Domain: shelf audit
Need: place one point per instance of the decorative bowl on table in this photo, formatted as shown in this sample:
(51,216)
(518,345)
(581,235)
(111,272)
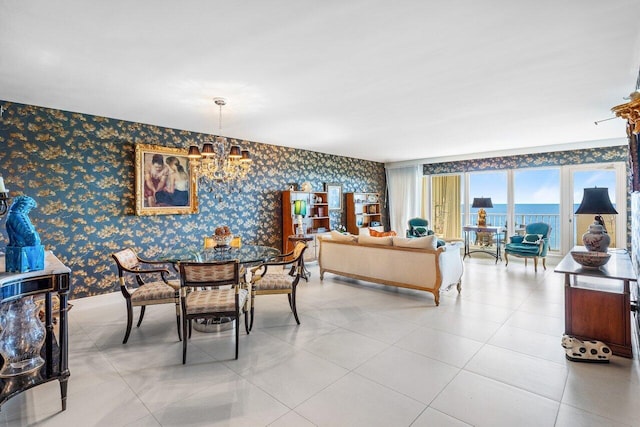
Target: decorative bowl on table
(590,259)
(222,241)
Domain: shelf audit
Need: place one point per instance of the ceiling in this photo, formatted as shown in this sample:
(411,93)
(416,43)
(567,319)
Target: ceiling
(377,80)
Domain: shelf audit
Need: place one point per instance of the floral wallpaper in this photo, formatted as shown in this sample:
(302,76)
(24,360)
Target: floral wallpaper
(559,158)
(80,170)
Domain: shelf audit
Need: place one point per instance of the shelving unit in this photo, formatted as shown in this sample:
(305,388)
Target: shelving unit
(316,220)
(363,210)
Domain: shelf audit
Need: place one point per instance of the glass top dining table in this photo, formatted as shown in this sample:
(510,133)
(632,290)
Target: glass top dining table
(246,254)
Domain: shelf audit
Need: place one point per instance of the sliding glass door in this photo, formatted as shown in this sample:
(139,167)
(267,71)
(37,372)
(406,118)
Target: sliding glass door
(536,196)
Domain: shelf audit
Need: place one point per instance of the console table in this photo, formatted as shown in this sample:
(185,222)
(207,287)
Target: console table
(54,279)
(597,302)
(497,231)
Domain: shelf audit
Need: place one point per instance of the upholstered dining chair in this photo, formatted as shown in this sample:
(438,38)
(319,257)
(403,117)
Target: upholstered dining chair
(140,286)
(202,297)
(534,244)
(279,276)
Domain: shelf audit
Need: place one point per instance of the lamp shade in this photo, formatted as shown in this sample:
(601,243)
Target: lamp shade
(482,202)
(300,207)
(596,201)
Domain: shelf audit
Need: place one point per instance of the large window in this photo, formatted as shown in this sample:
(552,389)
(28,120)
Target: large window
(536,196)
(493,185)
(524,196)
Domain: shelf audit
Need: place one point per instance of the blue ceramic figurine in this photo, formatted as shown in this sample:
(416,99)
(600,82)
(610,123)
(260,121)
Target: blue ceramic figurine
(24,252)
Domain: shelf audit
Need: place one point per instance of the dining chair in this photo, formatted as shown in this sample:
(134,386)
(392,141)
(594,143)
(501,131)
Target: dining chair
(205,295)
(279,276)
(140,286)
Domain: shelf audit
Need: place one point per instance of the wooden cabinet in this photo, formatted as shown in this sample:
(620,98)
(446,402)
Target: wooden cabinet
(43,285)
(315,219)
(598,301)
(363,210)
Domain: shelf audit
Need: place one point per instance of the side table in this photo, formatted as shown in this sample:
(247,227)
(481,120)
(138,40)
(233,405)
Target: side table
(497,231)
(302,238)
(600,308)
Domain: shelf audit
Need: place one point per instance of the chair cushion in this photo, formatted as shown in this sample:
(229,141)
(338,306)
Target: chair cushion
(153,291)
(522,249)
(532,239)
(175,284)
(214,300)
(274,281)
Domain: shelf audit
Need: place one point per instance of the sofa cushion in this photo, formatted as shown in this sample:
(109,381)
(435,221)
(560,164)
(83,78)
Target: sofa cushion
(532,239)
(369,240)
(336,235)
(374,233)
(425,242)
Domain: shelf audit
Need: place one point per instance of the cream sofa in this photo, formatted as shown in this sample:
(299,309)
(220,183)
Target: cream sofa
(425,269)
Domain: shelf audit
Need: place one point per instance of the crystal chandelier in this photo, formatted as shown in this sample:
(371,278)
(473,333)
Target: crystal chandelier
(220,164)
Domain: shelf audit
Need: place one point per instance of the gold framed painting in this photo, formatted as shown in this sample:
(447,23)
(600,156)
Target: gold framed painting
(164,181)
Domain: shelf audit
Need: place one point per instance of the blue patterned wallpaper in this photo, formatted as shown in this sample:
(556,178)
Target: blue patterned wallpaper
(574,157)
(80,170)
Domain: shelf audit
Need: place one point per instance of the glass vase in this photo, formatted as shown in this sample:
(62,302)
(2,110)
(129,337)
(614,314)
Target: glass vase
(21,337)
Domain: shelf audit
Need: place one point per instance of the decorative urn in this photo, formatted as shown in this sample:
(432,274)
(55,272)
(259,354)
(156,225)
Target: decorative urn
(596,238)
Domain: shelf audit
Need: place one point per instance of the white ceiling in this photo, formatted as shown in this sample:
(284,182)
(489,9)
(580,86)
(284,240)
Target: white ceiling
(380,80)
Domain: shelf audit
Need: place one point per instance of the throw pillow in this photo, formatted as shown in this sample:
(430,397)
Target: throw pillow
(532,239)
(426,242)
(384,241)
(420,231)
(336,235)
(374,233)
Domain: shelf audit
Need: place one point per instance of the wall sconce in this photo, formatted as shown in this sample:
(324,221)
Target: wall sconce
(4,198)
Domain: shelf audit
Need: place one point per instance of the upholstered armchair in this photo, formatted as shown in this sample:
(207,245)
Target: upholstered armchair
(534,244)
(418,227)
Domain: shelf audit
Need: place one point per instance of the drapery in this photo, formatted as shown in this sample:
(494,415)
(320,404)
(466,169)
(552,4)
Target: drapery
(445,205)
(404,186)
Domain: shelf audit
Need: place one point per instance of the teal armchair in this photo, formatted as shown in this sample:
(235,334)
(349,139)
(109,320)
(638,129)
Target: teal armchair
(534,244)
(418,227)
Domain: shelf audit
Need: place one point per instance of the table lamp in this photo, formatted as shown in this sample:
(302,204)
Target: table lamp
(596,201)
(300,209)
(481,203)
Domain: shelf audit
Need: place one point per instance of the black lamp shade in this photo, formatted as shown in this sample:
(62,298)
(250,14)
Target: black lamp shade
(482,202)
(596,201)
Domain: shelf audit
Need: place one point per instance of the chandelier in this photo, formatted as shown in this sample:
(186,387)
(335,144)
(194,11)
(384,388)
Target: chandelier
(221,164)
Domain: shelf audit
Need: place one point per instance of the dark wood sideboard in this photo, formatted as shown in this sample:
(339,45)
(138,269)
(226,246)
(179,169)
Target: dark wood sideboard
(43,284)
(598,301)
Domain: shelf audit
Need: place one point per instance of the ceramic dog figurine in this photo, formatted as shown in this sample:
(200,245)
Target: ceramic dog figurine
(585,351)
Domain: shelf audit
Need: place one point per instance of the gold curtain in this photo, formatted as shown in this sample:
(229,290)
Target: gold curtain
(445,206)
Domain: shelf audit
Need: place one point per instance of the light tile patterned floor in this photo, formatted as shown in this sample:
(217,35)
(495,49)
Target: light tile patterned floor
(365,355)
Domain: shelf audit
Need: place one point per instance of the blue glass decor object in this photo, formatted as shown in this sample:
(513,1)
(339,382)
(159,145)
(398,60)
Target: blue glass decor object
(24,252)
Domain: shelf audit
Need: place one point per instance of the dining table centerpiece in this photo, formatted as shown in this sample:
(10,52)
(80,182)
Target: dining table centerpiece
(222,236)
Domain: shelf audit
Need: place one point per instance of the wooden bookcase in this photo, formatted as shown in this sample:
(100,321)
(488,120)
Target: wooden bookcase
(315,222)
(363,209)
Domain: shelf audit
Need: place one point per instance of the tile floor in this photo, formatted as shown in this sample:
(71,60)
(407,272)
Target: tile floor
(365,355)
